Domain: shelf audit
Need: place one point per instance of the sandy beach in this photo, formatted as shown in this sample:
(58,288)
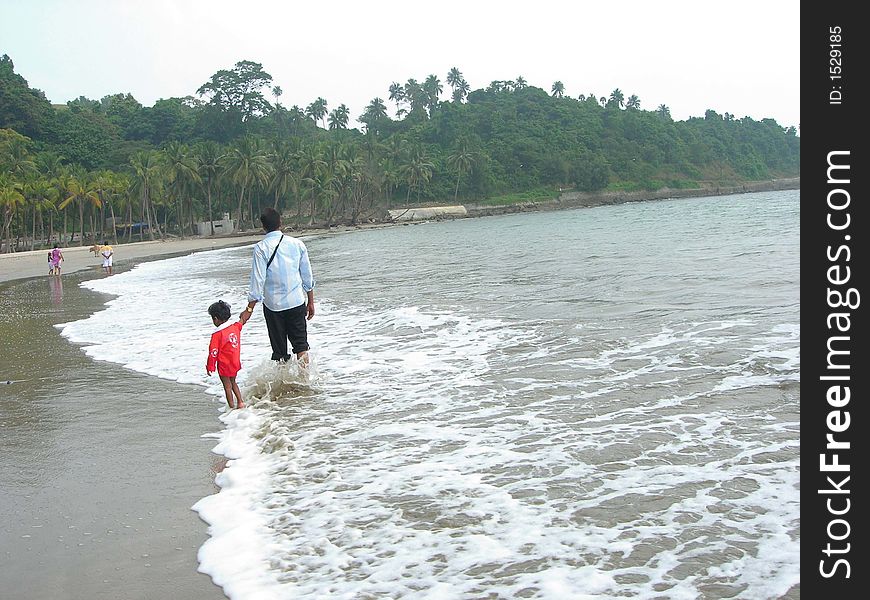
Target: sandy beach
(100,465)
(24,265)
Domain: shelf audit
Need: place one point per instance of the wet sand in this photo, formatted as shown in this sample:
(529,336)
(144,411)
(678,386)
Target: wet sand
(99,465)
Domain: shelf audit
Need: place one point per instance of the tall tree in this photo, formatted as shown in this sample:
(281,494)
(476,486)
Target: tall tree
(80,190)
(461,91)
(247,164)
(283,170)
(415,96)
(374,116)
(240,89)
(454,76)
(397,95)
(182,177)
(431,91)
(146,180)
(417,170)
(208,158)
(312,165)
(317,111)
(338,118)
(11,200)
(558,89)
(462,160)
(617,99)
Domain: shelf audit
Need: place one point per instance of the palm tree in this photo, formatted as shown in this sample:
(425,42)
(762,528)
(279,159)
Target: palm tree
(40,194)
(283,162)
(208,159)
(616,99)
(182,176)
(247,164)
(375,113)
(453,78)
(317,111)
(415,95)
(461,91)
(336,179)
(80,190)
(417,170)
(146,179)
(462,160)
(432,89)
(338,117)
(633,103)
(297,115)
(397,95)
(114,186)
(663,111)
(11,199)
(312,166)
(521,83)
(558,89)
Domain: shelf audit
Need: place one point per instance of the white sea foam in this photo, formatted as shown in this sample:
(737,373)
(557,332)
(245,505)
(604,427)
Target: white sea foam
(434,453)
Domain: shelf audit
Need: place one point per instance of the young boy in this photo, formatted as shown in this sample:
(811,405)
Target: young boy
(223,352)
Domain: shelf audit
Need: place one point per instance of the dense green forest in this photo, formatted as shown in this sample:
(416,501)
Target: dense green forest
(233,147)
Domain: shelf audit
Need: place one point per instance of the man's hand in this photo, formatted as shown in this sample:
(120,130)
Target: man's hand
(310,310)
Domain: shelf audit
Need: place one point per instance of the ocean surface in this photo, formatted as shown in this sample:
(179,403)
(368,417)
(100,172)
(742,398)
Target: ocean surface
(594,403)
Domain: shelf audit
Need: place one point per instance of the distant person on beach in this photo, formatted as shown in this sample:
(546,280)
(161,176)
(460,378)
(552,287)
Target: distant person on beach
(55,257)
(224,352)
(107,253)
(281,279)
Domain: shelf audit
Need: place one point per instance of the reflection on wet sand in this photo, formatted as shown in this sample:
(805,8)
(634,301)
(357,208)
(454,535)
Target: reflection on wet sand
(55,285)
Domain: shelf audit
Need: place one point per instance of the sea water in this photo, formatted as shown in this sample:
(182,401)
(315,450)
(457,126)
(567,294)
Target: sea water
(594,403)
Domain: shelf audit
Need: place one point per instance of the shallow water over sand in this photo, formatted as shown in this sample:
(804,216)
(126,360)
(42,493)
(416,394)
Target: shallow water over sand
(598,402)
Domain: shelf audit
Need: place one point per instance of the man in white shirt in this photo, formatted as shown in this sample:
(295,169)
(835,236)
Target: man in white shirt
(281,279)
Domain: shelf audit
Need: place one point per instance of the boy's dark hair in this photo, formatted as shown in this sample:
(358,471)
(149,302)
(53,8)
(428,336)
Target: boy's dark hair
(220,310)
(271,219)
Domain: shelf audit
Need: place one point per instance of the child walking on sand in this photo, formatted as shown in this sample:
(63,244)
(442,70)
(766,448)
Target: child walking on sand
(223,352)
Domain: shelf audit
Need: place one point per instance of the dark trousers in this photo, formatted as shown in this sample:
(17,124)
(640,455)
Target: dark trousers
(286,325)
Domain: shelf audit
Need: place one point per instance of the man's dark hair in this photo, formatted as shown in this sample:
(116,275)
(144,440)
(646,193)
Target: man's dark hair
(220,310)
(271,219)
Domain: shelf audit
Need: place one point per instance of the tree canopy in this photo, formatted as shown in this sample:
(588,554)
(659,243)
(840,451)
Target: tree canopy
(229,149)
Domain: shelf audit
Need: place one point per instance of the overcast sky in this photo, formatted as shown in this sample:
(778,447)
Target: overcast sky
(740,57)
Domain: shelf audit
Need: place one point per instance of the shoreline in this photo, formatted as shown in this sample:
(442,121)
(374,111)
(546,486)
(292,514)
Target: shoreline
(101,464)
(32,263)
(569,200)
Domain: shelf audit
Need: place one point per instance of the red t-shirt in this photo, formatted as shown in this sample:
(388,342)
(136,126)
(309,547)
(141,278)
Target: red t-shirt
(223,351)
